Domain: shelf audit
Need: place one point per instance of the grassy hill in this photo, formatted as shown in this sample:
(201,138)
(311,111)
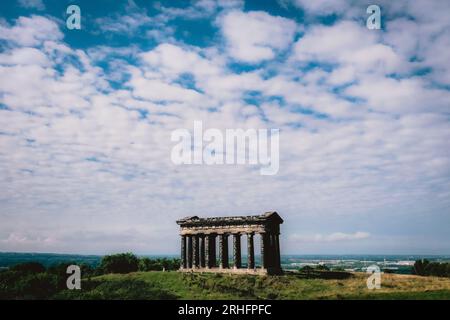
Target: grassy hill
(175,285)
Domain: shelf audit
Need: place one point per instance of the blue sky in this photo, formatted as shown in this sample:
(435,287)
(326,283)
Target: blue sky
(86,117)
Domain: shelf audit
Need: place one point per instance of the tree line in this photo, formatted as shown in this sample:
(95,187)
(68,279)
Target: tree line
(426,268)
(32,280)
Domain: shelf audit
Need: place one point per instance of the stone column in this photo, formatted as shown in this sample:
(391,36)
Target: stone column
(212,252)
(195,248)
(207,241)
(263,250)
(237,250)
(278,253)
(269,250)
(183,252)
(223,251)
(189,251)
(202,250)
(250,252)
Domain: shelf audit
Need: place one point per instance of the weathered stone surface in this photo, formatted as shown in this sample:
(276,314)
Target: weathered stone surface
(237,250)
(183,252)
(267,222)
(250,252)
(189,251)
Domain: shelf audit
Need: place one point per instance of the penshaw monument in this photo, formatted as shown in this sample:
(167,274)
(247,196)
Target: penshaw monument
(204,243)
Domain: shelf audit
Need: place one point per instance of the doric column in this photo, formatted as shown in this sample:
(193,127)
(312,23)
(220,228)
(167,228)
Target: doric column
(263,250)
(212,251)
(202,250)
(223,251)
(189,251)
(269,250)
(237,250)
(207,240)
(183,263)
(278,253)
(250,251)
(195,248)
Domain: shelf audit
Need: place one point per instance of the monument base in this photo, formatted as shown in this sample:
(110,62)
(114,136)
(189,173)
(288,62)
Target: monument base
(256,271)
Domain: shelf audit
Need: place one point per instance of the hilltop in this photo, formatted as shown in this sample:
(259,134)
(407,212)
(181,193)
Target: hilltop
(175,285)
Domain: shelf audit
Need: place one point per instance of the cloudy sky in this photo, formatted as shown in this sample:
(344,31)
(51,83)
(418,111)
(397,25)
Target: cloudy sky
(86,117)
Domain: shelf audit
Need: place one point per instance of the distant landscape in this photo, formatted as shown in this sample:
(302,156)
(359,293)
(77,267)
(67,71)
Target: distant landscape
(290,286)
(402,264)
(128,276)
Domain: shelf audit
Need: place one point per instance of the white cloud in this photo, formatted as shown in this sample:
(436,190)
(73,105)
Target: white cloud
(348,44)
(31,31)
(78,153)
(158,90)
(127,24)
(173,60)
(256,36)
(323,7)
(423,36)
(24,56)
(400,96)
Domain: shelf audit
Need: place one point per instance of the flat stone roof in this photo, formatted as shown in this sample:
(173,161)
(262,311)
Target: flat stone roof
(267,217)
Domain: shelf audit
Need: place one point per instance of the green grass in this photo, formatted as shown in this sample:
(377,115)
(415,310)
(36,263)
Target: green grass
(176,285)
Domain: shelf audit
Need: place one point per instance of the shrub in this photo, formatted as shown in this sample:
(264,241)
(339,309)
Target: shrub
(119,263)
(426,268)
(20,285)
(147,264)
(29,267)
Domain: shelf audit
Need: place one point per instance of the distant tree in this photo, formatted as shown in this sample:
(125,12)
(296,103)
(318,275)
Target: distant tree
(119,263)
(338,269)
(322,267)
(36,286)
(306,269)
(440,269)
(427,268)
(147,264)
(419,267)
(29,267)
(171,264)
(431,269)
(27,285)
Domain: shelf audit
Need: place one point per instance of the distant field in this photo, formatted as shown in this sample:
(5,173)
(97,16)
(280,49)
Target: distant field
(401,264)
(174,285)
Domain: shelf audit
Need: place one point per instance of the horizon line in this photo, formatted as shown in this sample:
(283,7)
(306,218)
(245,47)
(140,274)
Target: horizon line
(285,254)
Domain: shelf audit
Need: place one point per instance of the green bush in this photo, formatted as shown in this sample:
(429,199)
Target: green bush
(159,264)
(32,281)
(119,263)
(20,285)
(427,268)
(28,267)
